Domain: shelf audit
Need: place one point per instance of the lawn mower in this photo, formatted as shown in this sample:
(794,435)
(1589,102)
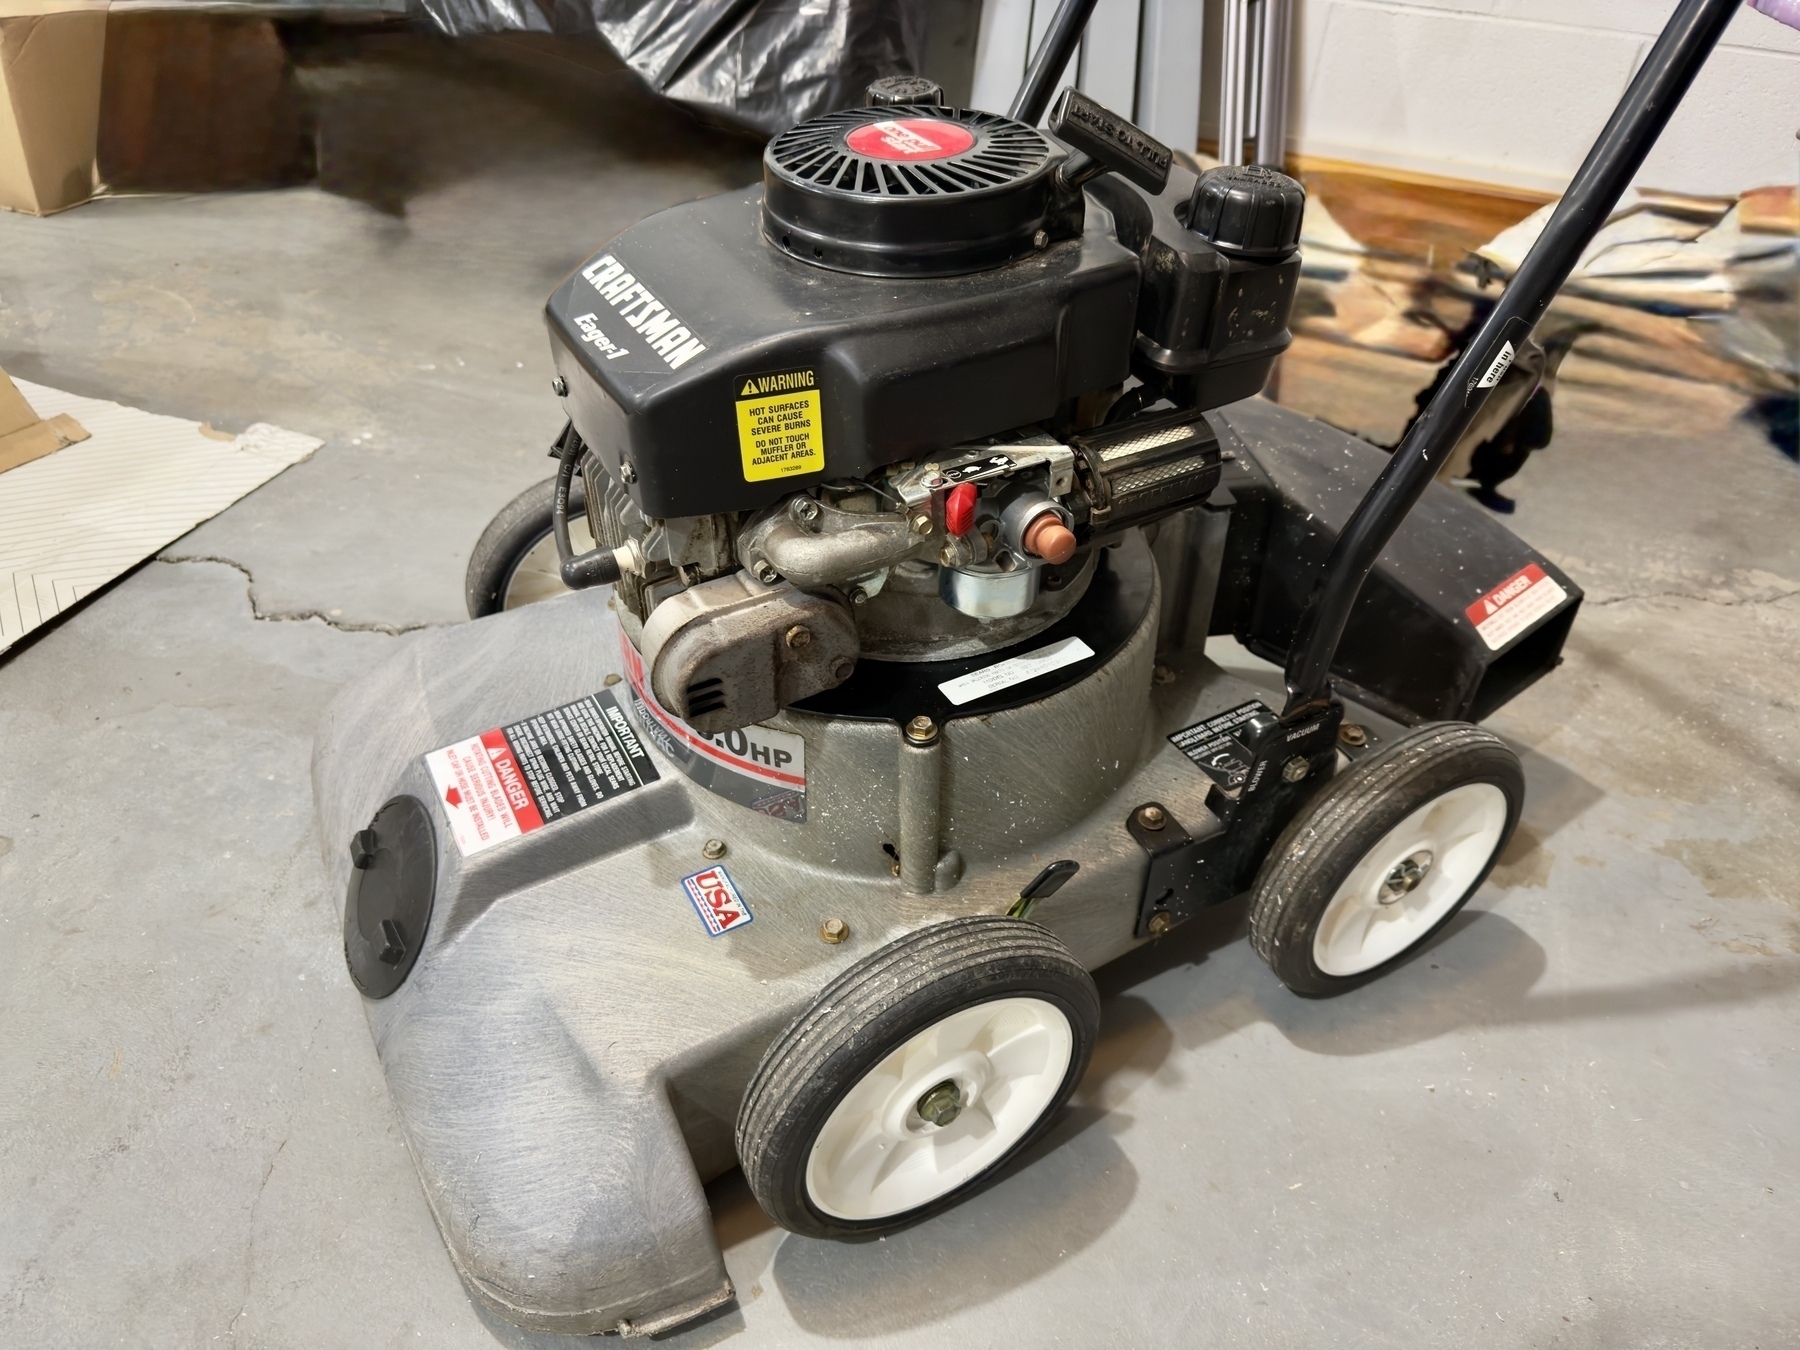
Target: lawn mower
(898,498)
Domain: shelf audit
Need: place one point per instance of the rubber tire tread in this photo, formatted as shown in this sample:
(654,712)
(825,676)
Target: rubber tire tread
(862,1015)
(515,530)
(1319,848)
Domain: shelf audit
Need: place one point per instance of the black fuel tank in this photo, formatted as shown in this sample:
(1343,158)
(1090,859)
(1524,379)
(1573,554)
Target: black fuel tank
(727,375)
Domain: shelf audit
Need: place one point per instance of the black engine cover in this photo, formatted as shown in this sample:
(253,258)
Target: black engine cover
(725,375)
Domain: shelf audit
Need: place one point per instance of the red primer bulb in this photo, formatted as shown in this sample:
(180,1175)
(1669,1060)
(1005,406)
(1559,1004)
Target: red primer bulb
(959,509)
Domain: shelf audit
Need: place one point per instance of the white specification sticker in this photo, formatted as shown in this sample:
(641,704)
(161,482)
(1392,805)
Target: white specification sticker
(1005,674)
(1515,605)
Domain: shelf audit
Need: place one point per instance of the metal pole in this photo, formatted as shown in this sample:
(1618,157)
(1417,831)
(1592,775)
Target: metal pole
(1052,59)
(1270,119)
(1651,99)
(1233,63)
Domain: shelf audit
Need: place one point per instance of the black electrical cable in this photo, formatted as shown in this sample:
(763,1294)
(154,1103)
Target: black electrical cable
(596,568)
(1052,59)
(1652,97)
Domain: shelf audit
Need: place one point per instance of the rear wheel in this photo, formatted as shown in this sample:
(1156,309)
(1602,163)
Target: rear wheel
(1384,856)
(916,1076)
(515,561)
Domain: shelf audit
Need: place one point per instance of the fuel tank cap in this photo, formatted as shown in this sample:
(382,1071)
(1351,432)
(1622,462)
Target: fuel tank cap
(908,190)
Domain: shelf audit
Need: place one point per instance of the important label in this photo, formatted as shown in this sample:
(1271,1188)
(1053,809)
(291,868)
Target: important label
(1216,745)
(1005,674)
(717,901)
(758,767)
(1515,605)
(781,424)
(516,779)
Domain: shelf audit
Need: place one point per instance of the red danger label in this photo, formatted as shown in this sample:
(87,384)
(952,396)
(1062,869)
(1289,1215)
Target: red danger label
(1515,605)
(910,140)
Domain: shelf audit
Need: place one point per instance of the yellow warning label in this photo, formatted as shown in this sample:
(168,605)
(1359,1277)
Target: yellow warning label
(780,425)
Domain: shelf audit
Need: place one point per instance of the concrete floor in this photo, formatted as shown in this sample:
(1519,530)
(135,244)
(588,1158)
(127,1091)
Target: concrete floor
(1575,1121)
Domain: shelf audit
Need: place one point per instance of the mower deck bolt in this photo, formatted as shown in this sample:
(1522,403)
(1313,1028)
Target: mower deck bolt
(1152,817)
(797,637)
(941,1105)
(834,931)
(1352,735)
(843,669)
(1162,675)
(1160,923)
(1295,769)
(1039,239)
(610,681)
(627,471)
(921,730)
(560,387)
(713,849)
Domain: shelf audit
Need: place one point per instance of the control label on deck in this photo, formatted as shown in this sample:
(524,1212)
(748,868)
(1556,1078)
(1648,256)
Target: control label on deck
(758,767)
(781,424)
(515,779)
(1514,605)
(1215,746)
(716,900)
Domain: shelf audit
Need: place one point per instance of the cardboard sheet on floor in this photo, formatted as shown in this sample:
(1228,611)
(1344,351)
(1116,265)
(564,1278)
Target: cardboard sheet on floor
(73,520)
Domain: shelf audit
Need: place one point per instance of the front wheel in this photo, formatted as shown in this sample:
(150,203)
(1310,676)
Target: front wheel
(1384,856)
(916,1076)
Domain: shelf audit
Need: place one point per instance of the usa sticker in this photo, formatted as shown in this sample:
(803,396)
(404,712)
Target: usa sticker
(716,901)
(1515,605)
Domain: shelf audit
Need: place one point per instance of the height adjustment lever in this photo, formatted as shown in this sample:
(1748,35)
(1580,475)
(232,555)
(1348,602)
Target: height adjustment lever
(1103,141)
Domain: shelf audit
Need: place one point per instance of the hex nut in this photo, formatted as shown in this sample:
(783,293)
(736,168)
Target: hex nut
(921,523)
(627,471)
(834,930)
(713,849)
(1152,817)
(1160,923)
(797,637)
(560,387)
(1295,769)
(1039,239)
(1353,735)
(921,730)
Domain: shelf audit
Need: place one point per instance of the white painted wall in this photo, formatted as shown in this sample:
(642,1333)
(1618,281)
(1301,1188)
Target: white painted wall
(1514,91)
(1510,92)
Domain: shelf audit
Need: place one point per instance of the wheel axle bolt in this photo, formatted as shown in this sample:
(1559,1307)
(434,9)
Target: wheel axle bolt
(941,1105)
(1352,735)
(713,849)
(1160,923)
(797,637)
(1295,769)
(834,931)
(1152,817)
(921,730)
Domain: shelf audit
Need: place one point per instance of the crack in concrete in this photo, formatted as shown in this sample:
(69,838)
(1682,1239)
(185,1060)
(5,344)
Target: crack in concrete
(1741,602)
(292,615)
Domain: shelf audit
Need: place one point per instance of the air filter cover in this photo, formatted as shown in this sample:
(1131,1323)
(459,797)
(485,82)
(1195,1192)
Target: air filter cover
(914,190)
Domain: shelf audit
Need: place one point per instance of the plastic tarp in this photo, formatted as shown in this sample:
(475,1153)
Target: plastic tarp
(764,64)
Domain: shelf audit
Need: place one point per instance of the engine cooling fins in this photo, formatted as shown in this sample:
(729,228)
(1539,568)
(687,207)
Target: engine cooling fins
(913,190)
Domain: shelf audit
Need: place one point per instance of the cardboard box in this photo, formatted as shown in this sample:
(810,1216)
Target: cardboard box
(24,436)
(51,56)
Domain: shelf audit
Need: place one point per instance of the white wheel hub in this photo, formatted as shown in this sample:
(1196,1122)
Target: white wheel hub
(988,1073)
(1414,875)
